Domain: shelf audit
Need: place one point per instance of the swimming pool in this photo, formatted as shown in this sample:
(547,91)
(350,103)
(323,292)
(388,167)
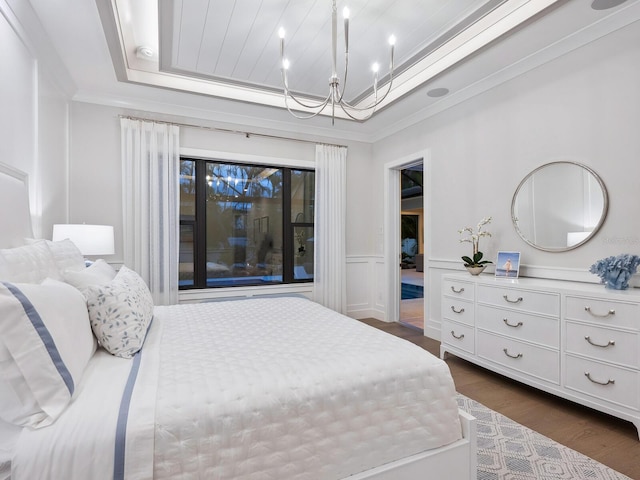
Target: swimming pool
(408,291)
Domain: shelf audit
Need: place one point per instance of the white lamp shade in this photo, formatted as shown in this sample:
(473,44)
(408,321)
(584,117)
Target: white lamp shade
(90,239)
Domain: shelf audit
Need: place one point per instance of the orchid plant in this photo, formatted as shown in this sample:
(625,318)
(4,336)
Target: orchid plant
(473,236)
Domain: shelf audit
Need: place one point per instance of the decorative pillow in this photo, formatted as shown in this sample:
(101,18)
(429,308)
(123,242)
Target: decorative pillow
(65,253)
(120,313)
(98,273)
(28,264)
(45,345)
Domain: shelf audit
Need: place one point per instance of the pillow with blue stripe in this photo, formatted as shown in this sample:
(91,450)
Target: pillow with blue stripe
(45,345)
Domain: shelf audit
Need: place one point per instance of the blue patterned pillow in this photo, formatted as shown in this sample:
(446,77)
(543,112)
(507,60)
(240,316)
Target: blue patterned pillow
(120,313)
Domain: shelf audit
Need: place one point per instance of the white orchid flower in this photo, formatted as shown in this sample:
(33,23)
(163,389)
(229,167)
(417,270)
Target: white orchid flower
(473,237)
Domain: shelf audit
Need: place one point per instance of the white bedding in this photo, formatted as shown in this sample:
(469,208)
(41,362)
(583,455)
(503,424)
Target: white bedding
(253,389)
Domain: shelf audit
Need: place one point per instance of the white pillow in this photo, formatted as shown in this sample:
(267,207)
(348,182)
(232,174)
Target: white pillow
(45,345)
(120,313)
(28,264)
(65,253)
(98,273)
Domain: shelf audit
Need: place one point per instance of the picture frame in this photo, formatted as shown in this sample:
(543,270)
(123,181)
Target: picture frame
(264,224)
(260,228)
(508,264)
(256,230)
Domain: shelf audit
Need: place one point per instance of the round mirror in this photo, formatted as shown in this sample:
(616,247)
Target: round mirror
(559,206)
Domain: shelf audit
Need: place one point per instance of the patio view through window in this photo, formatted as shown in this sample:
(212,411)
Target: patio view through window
(244,224)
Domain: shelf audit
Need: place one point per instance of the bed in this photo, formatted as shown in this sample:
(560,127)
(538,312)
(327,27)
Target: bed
(259,388)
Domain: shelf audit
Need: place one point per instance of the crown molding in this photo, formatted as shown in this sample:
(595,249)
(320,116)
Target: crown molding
(609,24)
(27,26)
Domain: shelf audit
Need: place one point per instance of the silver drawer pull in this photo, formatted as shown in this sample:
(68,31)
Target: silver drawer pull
(457,311)
(517,300)
(457,337)
(453,289)
(506,352)
(514,325)
(602,315)
(608,382)
(611,343)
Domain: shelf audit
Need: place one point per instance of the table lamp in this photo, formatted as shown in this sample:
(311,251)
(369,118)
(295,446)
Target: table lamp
(90,239)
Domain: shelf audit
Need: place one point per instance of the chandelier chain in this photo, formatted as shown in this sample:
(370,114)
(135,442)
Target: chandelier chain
(336,94)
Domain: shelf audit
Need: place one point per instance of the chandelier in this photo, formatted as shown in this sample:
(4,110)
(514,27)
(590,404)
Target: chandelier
(335,98)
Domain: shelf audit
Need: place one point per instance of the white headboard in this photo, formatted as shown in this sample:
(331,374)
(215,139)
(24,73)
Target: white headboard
(15,216)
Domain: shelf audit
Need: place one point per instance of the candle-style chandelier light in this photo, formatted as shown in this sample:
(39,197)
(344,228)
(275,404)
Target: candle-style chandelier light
(335,98)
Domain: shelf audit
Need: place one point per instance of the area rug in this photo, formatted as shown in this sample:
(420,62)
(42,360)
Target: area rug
(508,450)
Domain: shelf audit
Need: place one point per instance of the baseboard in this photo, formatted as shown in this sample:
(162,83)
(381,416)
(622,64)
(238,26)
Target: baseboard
(366,295)
(433,329)
(362,313)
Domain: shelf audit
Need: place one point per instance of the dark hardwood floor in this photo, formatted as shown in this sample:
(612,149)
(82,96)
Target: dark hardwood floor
(602,437)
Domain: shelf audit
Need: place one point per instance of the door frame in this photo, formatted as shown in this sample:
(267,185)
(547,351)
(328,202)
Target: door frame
(392,205)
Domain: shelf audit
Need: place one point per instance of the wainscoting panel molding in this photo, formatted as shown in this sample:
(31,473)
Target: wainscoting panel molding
(365,286)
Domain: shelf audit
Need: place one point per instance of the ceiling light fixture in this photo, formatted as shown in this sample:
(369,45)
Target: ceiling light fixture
(335,98)
(438,92)
(144,52)
(606,4)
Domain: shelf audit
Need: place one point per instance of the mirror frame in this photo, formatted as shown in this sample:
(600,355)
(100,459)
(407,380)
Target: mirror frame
(603,216)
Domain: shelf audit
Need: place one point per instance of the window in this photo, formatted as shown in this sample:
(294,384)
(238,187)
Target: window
(244,224)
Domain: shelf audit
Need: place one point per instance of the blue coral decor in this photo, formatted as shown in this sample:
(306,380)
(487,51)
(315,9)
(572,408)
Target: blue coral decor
(615,272)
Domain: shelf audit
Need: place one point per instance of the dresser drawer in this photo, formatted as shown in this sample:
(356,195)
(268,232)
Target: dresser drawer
(457,335)
(528,359)
(533,328)
(458,310)
(603,311)
(458,289)
(519,299)
(614,384)
(602,343)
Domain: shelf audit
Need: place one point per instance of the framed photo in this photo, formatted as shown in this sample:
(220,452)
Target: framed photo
(508,265)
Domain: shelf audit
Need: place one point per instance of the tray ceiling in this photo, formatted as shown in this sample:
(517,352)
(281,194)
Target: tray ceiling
(231,49)
(219,60)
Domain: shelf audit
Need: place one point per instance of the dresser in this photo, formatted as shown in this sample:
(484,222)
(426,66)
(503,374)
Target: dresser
(576,340)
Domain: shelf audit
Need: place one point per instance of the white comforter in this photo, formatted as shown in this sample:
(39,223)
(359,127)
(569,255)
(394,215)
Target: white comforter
(252,389)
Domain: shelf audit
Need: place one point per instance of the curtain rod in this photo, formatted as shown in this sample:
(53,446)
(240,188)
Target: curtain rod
(227,130)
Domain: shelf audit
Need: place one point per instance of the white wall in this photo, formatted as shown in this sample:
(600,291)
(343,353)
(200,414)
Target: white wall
(53,154)
(95,191)
(581,107)
(33,123)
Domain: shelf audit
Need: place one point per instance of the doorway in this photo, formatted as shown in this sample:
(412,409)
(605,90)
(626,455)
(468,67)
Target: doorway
(412,247)
(392,231)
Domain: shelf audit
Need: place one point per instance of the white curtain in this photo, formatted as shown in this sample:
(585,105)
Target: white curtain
(330,227)
(150,173)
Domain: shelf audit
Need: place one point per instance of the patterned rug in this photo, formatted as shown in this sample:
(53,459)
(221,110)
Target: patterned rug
(508,450)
